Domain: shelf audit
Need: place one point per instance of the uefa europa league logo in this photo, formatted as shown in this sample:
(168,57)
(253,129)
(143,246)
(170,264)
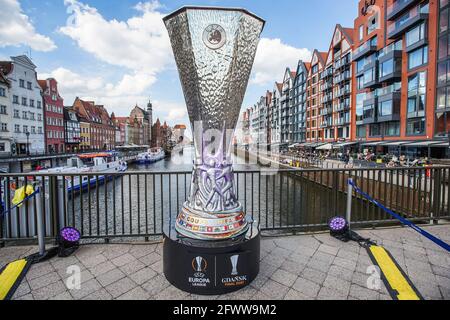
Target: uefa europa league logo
(199,265)
(234,264)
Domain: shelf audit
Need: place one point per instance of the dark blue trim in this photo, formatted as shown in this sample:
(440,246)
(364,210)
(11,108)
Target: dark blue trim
(406,222)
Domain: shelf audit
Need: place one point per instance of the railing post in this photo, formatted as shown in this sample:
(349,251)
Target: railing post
(61,203)
(349,202)
(40,219)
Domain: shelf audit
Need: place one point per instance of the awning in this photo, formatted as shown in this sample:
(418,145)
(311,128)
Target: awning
(372,144)
(327,146)
(344,144)
(294,145)
(423,144)
(317,144)
(441,145)
(395,143)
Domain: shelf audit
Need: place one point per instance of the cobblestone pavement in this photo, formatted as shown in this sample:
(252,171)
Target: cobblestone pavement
(298,267)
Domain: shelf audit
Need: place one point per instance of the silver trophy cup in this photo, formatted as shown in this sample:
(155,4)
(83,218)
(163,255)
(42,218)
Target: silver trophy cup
(214,50)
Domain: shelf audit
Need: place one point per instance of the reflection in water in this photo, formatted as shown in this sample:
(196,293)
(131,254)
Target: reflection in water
(147,197)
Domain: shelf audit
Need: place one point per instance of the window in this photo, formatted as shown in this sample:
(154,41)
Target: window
(385,108)
(3,110)
(359,106)
(368,112)
(415,35)
(444,44)
(387,68)
(375,130)
(32,103)
(418,57)
(25,129)
(372,24)
(15,99)
(24,115)
(361,131)
(443,24)
(24,101)
(361,32)
(416,95)
(2,92)
(22,83)
(442,124)
(17,128)
(392,128)
(16,114)
(4,127)
(369,76)
(29,85)
(415,127)
(33,130)
(39,105)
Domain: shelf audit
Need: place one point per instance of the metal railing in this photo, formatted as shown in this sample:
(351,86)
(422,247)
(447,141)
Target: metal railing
(139,204)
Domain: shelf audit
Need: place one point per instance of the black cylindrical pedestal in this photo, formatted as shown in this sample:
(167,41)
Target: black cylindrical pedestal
(211,267)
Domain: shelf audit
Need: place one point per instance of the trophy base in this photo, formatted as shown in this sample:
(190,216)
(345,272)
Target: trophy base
(211,267)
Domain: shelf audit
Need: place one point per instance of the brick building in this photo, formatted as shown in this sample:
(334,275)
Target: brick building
(54,116)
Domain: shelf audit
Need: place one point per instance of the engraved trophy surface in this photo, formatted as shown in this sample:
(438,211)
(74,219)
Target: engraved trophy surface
(214,49)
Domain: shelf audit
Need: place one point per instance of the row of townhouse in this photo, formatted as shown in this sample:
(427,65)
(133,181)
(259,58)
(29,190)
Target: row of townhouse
(383,83)
(34,120)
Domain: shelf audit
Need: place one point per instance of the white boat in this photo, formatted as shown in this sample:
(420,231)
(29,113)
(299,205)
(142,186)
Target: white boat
(86,164)
(151,156)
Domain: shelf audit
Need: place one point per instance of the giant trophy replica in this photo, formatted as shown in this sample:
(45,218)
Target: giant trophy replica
(212,247)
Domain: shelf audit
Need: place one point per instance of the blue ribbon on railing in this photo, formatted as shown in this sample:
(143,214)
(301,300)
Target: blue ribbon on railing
(406,222)
(4,213)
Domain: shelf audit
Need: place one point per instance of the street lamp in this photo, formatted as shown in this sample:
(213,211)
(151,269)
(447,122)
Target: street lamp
(28,142)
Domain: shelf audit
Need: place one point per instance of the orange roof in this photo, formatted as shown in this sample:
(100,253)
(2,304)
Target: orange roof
(279,86)
(293,74)
(180,126)
(308,65)
(43,84)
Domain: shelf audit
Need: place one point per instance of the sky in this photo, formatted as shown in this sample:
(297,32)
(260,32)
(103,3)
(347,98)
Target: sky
(117,52)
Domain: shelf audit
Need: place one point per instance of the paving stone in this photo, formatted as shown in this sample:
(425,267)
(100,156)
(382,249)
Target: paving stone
(440,271)
(361,293)
(150,259)
(92,261)
(22,290)
(143,275)
(281,253)
(345,263)
(299,258)
(324,257)
(341,273)
(113,251)
(337,284)
(440,260)
(86,289)
(171,293)
(259,281)
(120,287)
(314,275)
(158,267)
(267,269)
(274,290)
(39,270)
(348,255)
(135,294)
(244,294)
(285,278)
(293,267)
(110,277)
(65,296)
(44,280)
(132,267)
(123,260)
(295,295)
(49,291)
(274,261)
(260,296)
(140,251)
(306,287)
(428,290)
(156,285)
(102,268)
(27,297)
(445,292)
(328,249)
(101,294)
(306,251)
(327,293)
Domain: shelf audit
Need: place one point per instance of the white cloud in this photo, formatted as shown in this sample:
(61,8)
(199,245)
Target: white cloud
(272,58)
(16,28)
(140,44)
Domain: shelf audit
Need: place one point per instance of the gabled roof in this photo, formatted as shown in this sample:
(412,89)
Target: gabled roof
(6,67)
(279,86)
(321,57)
(43,84)
(4,80)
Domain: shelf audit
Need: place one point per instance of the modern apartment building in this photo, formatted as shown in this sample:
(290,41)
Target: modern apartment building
(383,84)
(27,120)
(54,116)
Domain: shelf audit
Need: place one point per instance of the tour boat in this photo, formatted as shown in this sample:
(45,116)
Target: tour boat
(87,164)
(151,156)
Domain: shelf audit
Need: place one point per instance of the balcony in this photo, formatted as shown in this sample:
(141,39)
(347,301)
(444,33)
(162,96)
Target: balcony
(326,73)
(364,50)
(405,22)
(390,66)
(343,106)
(369,114)
(398,7)
(343,91)
(343,77)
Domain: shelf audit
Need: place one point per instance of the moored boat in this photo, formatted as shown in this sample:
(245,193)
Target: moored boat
(151,156)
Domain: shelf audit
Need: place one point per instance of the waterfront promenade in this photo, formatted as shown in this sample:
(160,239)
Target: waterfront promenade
(304,267)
